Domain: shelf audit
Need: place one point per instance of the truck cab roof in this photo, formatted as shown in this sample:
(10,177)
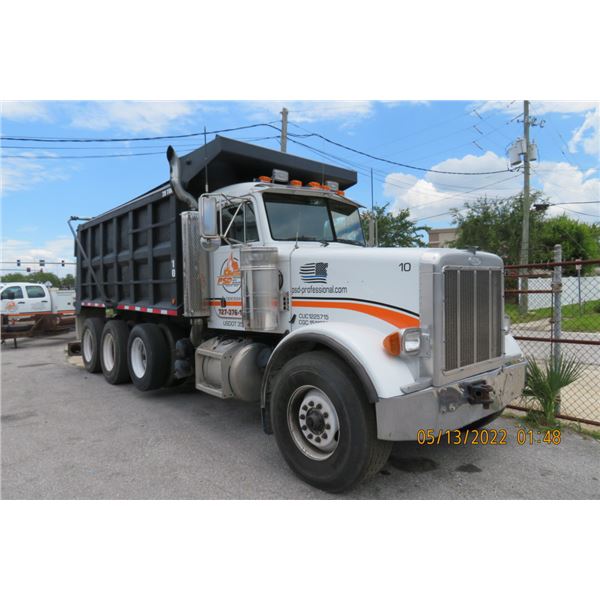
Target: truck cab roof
(243,189)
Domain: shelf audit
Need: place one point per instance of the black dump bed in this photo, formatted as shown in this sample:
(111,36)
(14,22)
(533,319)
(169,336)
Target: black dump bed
(131,256)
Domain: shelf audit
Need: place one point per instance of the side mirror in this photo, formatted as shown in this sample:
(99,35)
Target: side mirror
(208,217)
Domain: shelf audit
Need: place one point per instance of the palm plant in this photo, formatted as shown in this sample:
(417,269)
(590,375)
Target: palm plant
(545,383)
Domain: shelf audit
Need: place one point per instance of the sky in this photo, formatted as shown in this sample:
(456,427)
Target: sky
(43,182)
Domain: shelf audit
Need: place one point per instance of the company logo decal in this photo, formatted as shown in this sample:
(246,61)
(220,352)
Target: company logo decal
(314,272)
(229,278)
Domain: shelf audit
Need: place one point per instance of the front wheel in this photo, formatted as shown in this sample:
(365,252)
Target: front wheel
(323,425)
(147,357)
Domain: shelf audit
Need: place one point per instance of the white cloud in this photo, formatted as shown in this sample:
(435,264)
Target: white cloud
(539,107)
(24,111)
(437,193)
(60,248)
(133,117)
(348,112)
(18,174)
(591,142)
(564,183)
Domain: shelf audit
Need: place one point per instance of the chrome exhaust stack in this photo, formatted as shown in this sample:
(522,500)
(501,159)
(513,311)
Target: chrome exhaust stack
(175,179)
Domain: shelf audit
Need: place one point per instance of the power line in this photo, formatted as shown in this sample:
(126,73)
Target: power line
(144,146)
(577,212)
(459,194)
(77,157)
(133,139)
(399,164)
(244,127)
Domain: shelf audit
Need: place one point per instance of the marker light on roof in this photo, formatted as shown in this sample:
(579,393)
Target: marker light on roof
(314,184)
(265,179)
(334,186)
(340,193)
(280,176)
(296,183)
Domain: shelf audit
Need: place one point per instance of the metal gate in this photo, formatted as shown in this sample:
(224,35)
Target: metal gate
(555,311)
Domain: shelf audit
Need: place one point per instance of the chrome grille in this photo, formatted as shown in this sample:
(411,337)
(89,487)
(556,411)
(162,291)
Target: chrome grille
(472,316)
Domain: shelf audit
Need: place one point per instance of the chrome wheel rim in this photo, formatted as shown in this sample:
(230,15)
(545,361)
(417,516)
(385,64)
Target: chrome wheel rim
(108,352)
(138,357)
(87,346)
(313,422)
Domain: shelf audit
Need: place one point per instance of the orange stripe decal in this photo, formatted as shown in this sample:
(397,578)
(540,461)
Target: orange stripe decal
(393,317)
(227,303)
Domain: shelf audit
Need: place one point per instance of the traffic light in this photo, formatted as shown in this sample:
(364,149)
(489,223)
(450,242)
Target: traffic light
(29,269)
(62,262)
(42,262)
(18,262)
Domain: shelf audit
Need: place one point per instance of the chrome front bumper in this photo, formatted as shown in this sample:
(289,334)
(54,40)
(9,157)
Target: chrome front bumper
(448,407)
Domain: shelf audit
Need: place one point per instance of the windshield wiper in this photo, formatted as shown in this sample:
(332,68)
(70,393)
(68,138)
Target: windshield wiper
(353,242)
(307,238)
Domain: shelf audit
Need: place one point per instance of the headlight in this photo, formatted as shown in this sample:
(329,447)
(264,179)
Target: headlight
(411,340)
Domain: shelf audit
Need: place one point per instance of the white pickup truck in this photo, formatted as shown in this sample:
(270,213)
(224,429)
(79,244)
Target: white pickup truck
(24,301)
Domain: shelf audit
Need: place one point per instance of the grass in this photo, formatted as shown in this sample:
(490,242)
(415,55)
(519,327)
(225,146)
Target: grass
(588,320)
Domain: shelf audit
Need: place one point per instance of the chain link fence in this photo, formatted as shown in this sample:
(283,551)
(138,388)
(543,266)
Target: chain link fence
(555,311)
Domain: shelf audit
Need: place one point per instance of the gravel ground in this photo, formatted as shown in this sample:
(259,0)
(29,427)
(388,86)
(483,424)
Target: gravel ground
(69,434)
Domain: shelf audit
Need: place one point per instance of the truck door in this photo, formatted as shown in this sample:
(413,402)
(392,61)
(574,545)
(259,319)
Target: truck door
(12,300)
(225,293)
(38,298)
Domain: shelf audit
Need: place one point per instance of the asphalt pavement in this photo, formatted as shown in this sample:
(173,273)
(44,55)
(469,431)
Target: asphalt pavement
(69,434)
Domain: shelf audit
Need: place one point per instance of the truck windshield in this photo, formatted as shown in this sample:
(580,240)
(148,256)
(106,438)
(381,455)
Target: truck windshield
(314,219)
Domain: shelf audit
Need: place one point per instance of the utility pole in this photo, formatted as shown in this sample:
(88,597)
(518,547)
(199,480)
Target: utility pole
(372,219)
(523,298)
(284,118)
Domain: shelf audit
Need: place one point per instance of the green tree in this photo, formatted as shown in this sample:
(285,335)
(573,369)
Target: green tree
(68,281)
(394,230)
(14,277)
(578,239)
(496,225)
(33,278)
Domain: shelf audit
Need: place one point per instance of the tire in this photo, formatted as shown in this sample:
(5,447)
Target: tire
(147,357)
(91,333)
(344,458)
(171,335)
(113,352)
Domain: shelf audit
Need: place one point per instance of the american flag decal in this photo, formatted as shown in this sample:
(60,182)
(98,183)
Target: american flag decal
(314,272)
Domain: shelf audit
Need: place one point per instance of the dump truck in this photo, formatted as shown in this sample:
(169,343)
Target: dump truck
(247,274)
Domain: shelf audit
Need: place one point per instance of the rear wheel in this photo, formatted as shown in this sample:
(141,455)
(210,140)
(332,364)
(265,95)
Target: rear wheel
(147,357)
(91,334)
(113,355)
(323,425)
